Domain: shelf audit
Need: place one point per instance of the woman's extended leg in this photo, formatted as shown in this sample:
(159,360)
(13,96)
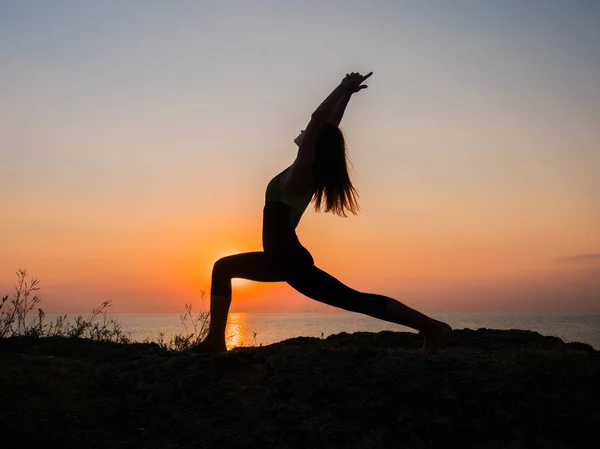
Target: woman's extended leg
(254,266)
(321,286)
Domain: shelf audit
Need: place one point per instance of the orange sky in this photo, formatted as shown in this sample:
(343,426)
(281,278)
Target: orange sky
(133,159)
(151,264)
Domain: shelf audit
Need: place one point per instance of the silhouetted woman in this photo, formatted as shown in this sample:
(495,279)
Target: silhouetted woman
(319,173)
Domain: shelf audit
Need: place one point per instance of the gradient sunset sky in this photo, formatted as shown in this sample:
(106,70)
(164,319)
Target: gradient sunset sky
(137,140)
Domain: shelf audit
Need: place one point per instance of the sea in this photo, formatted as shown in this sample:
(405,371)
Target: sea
(256,329)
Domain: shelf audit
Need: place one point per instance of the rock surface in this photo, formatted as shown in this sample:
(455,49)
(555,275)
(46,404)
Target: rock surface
(484,389)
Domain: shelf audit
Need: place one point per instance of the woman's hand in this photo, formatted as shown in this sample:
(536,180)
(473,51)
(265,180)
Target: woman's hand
(353,81)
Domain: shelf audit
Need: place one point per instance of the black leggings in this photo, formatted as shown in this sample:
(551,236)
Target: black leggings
(288,261)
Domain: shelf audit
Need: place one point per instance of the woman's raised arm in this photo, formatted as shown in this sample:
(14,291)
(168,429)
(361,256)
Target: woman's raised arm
(350,84)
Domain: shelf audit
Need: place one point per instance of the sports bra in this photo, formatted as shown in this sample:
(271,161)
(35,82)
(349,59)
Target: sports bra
(275,193)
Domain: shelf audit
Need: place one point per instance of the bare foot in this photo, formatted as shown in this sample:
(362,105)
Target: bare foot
(206,346)
(435,336)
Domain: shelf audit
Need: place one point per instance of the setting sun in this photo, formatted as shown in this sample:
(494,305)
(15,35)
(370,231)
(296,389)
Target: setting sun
(237,282)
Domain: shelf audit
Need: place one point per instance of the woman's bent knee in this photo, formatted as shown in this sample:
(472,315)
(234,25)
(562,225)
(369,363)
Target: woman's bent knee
(222,265)
(221,273)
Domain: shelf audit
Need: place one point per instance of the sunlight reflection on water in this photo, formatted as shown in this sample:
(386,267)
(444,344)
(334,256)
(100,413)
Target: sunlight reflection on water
(255,329)
(237,331)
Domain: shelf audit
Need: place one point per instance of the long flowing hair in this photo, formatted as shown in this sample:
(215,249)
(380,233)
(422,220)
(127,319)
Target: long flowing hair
(334,191)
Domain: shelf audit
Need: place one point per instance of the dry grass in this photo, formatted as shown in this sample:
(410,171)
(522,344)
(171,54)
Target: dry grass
(17,320)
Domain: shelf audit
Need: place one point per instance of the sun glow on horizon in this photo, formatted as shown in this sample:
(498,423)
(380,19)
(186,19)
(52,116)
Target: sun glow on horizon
(239,282)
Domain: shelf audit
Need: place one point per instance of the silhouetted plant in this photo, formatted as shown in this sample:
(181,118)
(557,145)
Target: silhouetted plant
(195,329)
(14,318)
(5,318)
(105,330)
(14,311)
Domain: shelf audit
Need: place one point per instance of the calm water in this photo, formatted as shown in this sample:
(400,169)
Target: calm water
(248,329)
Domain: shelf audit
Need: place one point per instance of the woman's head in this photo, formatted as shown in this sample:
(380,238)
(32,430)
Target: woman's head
(334,190)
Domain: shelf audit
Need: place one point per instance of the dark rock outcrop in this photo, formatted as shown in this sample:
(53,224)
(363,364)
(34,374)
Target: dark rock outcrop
(484,389)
